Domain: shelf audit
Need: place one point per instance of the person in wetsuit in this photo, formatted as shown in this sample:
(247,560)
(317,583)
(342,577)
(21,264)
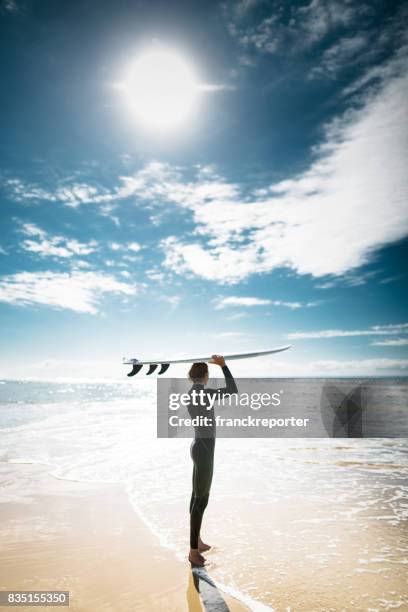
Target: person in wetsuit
(202,448)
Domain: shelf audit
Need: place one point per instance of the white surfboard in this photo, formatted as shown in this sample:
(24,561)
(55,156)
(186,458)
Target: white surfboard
(165,363)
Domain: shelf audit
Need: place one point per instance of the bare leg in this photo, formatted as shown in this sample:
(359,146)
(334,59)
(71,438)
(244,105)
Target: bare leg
(202,547)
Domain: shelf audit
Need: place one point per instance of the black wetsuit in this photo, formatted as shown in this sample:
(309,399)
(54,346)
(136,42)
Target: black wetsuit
(202,453)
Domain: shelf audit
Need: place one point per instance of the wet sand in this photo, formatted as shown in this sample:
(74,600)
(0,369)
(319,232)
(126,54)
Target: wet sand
(86,539)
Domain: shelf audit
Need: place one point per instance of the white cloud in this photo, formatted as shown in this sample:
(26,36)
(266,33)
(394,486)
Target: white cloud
(115,246)
(375,330)
(53,246)
(327,221)
(78,290)
(130,246)
(225,302)
(155,183)
(72,194)
(239,301)
(133,246)
(391,342)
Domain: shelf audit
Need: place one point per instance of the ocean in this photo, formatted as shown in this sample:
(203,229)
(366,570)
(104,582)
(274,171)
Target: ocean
(297,524)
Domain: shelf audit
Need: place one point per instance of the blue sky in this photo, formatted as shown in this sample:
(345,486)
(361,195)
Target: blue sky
(275,213)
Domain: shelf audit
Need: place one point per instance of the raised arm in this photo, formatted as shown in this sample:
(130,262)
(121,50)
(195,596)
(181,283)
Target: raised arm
(231,387)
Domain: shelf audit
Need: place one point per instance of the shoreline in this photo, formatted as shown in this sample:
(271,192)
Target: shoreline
(87,539)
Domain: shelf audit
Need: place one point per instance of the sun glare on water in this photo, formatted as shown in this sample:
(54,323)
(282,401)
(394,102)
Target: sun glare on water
(161,89)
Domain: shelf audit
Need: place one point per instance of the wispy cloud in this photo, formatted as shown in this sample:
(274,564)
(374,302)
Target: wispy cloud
(225,302)
(73,194)
(53,246)
(305,27)
(80,291)
(349,280)
(339,55)
(375,330)
(391,342)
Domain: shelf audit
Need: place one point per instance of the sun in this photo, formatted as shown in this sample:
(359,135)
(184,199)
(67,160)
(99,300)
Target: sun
(161,88)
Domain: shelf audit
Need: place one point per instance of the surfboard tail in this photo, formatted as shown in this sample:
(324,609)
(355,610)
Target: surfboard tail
(152,367)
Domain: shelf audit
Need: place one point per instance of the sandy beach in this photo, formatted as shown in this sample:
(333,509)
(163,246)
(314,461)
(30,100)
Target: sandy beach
(85,538)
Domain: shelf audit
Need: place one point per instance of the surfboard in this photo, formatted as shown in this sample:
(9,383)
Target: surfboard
(165,363)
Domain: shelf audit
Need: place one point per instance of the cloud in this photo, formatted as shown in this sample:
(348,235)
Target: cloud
(80,291)
(239,301)
(295,30)
(130,246)
(320,17)
(154,184)
(375,330)
(341,54)
(391,342)
(327,221)
(54,246)
(350,280)
(225,302)
(75,194)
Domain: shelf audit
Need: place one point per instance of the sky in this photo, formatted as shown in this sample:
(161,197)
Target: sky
(274,212)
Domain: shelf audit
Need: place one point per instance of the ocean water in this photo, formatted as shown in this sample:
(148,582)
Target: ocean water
(314,524)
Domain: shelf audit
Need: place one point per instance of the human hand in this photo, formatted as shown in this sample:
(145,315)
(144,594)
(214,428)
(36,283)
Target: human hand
(218,360)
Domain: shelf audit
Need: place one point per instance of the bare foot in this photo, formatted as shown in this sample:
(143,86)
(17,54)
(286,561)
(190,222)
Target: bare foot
(196,558)
(202,547)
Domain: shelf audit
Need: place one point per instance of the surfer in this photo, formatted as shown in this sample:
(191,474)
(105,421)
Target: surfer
(202,449)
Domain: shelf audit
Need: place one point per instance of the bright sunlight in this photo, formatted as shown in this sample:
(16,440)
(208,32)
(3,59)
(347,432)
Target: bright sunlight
(161,88)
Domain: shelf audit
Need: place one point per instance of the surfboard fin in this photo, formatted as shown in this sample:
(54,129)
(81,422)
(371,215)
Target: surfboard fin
(151,369)
(136,368)
(164,367)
